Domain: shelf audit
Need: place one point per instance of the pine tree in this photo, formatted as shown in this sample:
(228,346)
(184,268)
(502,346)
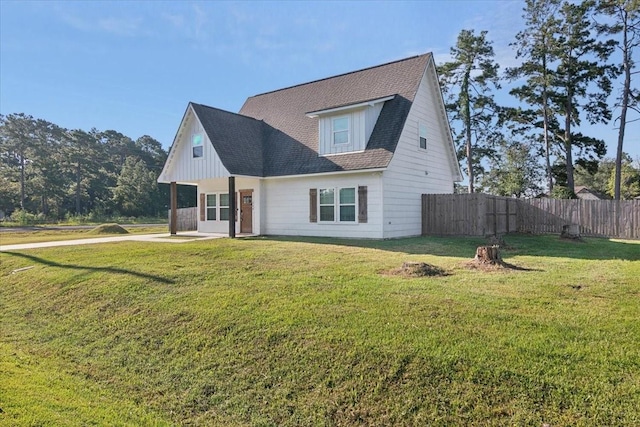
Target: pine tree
(626,23)
(467,82)
(537,47)
(582,63)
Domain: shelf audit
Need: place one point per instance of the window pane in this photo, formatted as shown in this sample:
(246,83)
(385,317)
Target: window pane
(326,213)
(423,131)
(341,137)
(347,195)
(196,139)
(326,196)
(224,213)
(198,151)
(423,136)
(340,124)
(347,213)
(211,214)
(211,199)
(224,200)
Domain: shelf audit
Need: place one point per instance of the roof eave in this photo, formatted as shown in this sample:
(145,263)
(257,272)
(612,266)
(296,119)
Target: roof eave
(368,103)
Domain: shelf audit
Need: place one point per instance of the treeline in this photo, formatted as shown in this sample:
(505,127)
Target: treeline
(572,57)
(49,173)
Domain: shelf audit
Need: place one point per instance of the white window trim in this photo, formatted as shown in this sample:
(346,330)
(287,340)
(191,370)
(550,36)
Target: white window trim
(207,207)
(202,144)
(348,130)
(421,127)
(218,207)
(336,205)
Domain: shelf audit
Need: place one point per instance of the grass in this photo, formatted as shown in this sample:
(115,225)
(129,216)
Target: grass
(288,332)
(52,235)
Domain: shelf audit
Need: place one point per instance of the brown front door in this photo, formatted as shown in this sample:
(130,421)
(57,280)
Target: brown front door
(246,211)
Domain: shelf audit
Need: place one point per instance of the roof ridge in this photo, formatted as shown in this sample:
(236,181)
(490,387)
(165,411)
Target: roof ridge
(225,111)
(340,75)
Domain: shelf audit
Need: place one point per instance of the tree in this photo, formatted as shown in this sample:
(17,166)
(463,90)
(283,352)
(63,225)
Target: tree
(582,63)
(48,180)
(18,142)
(466,81)
(82,156)
(137,190)
(537,47)
(150,150)
(514,173)
(630,179)
(626,23)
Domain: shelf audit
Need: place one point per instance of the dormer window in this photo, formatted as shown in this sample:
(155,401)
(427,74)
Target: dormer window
(197,148)
(340,129)
(347,128)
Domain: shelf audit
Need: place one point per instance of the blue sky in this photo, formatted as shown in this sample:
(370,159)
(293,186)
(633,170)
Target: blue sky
(132,66)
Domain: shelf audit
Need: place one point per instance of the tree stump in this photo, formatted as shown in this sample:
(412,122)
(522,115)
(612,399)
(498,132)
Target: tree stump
(497,240)
(488,254)
(570,231)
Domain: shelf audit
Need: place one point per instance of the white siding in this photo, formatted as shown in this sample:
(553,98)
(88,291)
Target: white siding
(286,206)
(414,171)
(221,186)
(183,167)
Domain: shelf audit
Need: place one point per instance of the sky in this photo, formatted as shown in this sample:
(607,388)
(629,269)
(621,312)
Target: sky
(133,66)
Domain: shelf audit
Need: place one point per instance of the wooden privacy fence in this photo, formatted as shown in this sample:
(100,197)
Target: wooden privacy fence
(187,219)
(483,215)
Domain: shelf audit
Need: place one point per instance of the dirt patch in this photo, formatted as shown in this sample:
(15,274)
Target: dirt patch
(499,265)
(109,229)
(417,269)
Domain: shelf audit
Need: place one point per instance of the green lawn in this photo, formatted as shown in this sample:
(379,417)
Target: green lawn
(270,332)
(51,235)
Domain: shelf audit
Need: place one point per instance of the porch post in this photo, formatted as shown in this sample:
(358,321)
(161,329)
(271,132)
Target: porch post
(232,206)
(173,222)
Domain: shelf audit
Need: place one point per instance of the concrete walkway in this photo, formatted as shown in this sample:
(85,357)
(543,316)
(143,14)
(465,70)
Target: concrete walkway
(189,236)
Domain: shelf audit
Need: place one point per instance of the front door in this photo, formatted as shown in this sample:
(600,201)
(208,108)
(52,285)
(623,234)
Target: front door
(246,211)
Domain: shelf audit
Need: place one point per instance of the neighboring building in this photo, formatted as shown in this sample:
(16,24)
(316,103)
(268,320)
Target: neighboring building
(585,193)
(345,156)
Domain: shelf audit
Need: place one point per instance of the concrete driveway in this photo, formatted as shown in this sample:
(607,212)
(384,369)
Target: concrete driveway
(189,236)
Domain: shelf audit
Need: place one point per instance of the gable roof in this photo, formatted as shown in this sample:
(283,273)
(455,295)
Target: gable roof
(237,139)
(292,148)
(274,135)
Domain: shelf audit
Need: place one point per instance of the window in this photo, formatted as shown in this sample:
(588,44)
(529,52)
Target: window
(211,207)
(224,207)
(214,207)
(423,136)
(337,203)
(340,129)
(197,148)
(327,204)
(347,204)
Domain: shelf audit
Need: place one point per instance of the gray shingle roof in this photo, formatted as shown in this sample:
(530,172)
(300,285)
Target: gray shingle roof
(237,139)
(272,136)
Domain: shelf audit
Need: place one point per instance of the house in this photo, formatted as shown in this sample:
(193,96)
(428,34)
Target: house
(345,156)
(585,193)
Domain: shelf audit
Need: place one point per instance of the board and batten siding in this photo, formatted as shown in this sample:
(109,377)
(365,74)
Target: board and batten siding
(356,133)
(184,167)
(414,171)
(286,206)
(361,124)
